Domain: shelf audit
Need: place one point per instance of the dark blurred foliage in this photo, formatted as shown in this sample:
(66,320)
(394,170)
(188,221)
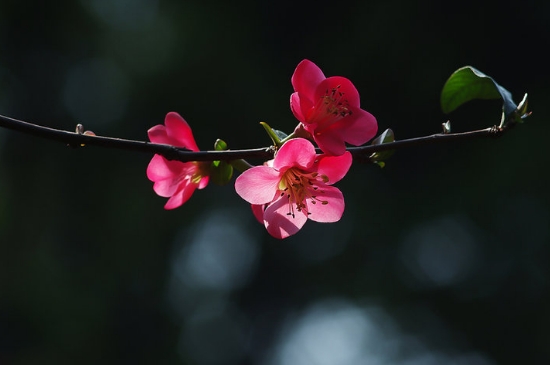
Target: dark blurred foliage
(442,257)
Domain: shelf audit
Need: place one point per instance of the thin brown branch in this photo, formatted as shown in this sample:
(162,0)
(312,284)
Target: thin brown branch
(181,154)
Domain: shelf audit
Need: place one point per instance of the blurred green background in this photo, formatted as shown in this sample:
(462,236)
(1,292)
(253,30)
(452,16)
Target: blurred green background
(442,257)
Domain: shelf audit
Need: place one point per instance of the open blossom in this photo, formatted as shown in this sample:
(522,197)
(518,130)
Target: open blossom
(295,187)
(328,108)
(175,179)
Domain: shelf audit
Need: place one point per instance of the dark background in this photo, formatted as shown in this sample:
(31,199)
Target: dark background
(442,257)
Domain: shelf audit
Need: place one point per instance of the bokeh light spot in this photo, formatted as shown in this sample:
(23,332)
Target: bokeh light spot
(218,253)
(441,252)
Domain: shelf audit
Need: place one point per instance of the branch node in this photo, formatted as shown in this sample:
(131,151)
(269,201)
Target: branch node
(496,131)
(80,131)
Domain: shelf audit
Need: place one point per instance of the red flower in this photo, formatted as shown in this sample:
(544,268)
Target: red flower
(295,187)
(175,179)
(329,110)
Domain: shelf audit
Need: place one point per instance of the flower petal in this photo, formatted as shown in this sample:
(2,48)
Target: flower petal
(360,128)
(160,168)
(157,134)
(334,167)
(296,107)
(258,211)
(346,90)
(258,184)
(330,141)
(204,181)
(297,152)
(278,223)
(181,196)
(165,188)
(306,77)
(179,131)
(330,212)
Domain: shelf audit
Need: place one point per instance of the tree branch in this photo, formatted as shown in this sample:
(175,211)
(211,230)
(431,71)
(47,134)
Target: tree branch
(76,139)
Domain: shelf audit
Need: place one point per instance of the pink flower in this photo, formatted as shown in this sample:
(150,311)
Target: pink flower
(295,187)
(175,179)
(329,110)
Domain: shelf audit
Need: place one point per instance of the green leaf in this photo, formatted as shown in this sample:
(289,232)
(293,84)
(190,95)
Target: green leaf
(379,157)
(385,137)
(282,135)
(273,134)
(467,83)
(220,145)
(220,172)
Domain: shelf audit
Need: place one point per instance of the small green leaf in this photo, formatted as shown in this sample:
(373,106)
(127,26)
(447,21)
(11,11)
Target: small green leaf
(220,172)
(384,137)
(273,134)
(282,135)
(468,83)
(220,145)
(378,157)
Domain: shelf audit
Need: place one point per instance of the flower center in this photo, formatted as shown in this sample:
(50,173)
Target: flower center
(192,172)
(330,108)
(299,187)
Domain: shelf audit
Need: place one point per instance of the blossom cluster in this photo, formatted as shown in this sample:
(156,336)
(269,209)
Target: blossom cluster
(297,184)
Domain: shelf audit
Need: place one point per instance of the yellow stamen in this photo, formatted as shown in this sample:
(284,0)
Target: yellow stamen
(299,187)
(330,108)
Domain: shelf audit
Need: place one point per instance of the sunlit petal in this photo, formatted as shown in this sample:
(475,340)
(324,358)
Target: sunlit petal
(334,167)
(306,77)
(296,152)
(279,223)
(330,206)
(258,184)
(179,131)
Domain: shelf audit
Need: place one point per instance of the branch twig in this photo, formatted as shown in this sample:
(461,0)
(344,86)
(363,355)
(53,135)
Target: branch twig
(181,154)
